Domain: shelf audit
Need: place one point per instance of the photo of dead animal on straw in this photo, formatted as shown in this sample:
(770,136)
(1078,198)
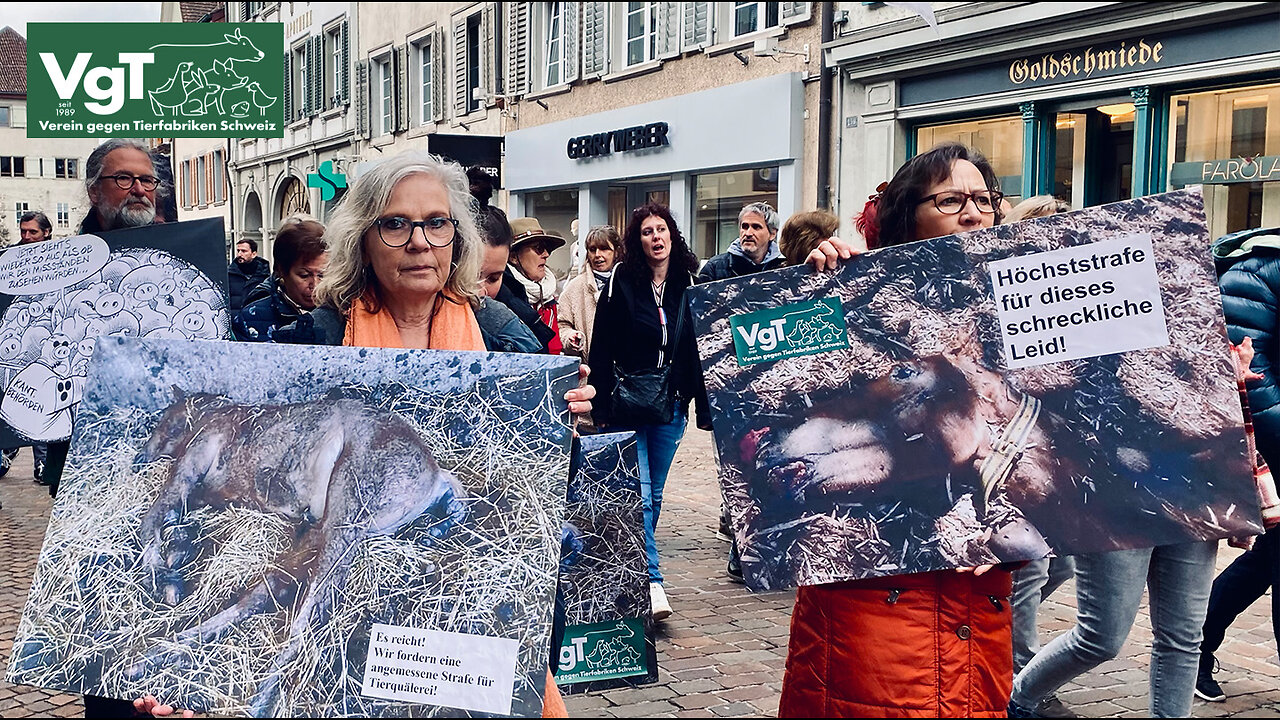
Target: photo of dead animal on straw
(227,540)
(604,573)
(876,459)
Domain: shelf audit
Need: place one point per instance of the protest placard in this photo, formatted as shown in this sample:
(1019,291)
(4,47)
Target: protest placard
(57,296)
(330,531)
(604,574)
(1061,383)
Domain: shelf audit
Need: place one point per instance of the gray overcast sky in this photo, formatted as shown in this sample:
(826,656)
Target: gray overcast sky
(18,14)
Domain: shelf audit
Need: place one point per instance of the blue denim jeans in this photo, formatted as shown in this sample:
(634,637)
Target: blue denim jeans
(1108,593)
(1033,583)
(656,445)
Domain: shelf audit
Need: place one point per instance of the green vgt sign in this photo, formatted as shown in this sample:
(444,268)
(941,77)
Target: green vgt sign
(89,80)
(798,329)
(601,651)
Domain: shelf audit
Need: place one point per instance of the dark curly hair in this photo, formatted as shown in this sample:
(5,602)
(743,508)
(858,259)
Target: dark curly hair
(637,270)
(895,210)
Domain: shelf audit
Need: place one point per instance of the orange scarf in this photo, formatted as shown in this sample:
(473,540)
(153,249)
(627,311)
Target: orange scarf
(453,325)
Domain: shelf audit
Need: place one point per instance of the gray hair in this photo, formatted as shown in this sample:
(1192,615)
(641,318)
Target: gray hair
(764,210)
(93,166)
(348,275)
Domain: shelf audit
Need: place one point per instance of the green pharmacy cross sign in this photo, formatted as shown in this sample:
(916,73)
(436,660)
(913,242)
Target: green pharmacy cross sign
(327,180)
(91,80)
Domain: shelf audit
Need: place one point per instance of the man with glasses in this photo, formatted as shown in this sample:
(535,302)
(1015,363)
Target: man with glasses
(121,181)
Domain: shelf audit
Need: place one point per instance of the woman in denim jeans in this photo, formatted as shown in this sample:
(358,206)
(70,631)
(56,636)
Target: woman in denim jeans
(642,324)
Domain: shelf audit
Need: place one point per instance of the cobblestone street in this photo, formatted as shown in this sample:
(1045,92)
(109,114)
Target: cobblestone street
(723,650)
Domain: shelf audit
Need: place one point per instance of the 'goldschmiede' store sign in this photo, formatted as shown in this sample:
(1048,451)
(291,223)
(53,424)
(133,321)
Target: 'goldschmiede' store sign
(217,80)
(1085,63)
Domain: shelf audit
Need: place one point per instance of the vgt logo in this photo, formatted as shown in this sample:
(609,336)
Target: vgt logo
(65,83)
(155,79)
(799,329)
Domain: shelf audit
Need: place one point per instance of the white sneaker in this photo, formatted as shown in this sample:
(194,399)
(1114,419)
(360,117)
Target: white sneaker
(658,601)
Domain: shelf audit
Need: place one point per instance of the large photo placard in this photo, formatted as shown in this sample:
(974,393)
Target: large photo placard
(327,531)
(1060,384)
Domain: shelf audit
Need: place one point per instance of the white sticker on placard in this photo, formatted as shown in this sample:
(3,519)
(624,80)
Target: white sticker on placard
(1079,302)
(468,672)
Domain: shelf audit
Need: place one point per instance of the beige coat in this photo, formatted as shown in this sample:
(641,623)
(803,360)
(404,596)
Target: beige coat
(578,311)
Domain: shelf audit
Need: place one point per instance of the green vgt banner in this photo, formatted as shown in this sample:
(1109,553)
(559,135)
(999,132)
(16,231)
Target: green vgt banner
(603,650)
(89,80)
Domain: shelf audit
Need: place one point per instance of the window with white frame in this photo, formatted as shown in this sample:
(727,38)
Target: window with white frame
(422,64)
(64,215)
(386,106)
(641,24)
(749,17)
(185,173)
(13,166)
(333,66)
(19,208)
(5,115)
(301,87)
(554,44)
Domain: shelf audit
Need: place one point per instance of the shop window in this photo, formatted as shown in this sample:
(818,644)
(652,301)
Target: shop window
(1069,164)
(555,210)
(998,139)
(642,36)
(1229,141)
(749,17)
(719,197)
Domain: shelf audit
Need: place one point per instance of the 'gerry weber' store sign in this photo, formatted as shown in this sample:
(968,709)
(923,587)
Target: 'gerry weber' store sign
(624,140)
(1257,35)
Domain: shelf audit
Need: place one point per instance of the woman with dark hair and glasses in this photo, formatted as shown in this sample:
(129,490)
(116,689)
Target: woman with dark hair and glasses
(934,644)
(642,329)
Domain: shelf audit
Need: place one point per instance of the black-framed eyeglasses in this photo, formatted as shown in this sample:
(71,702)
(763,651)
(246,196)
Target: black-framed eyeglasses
(953,201)
(396,231)
(125,181)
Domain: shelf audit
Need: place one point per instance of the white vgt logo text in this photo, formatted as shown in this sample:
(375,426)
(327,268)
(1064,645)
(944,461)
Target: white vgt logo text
(767,337)
(65,83)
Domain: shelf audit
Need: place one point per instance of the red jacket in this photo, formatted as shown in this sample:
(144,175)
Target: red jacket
(936,644)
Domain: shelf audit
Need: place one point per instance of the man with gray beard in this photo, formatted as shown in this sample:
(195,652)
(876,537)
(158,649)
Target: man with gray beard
(121,181)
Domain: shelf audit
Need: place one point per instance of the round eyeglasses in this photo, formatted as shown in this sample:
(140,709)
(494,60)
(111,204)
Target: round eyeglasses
(953,201)
(125,181)
(396,231)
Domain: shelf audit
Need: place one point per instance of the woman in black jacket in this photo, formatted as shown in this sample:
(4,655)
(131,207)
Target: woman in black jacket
(643,326)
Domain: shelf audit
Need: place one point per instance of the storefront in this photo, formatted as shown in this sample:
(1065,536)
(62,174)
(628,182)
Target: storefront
(1098,106)
(704,154)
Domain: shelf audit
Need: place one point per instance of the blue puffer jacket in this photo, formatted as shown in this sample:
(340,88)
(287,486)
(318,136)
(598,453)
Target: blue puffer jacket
(1248,265)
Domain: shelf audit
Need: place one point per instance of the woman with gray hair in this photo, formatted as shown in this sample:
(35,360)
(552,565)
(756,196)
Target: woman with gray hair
(404,255)
(754,250)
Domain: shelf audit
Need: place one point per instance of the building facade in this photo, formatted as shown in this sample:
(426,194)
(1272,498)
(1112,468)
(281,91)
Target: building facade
(269,176)
(1093,102)
(706,106)
(45,174)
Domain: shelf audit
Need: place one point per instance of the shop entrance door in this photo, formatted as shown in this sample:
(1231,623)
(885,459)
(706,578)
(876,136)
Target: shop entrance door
(1093,154)
(627,196)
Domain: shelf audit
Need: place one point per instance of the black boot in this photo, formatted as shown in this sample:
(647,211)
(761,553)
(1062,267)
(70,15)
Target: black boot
(1206,687)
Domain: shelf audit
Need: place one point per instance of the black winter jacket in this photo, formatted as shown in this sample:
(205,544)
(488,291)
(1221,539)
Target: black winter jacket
(1249,276)
(241,279)
(627,332)
(735,264)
